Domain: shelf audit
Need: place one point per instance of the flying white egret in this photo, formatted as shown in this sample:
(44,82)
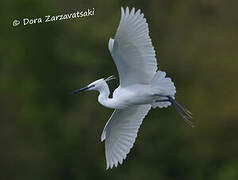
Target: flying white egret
(141,86)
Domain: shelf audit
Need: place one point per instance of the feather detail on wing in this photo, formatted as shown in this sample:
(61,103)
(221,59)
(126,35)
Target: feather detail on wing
(120,132)
(132,49)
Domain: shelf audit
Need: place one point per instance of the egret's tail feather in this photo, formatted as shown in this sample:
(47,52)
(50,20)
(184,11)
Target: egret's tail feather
(164,86)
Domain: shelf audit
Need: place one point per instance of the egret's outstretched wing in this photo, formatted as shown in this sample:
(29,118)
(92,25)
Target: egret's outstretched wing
(120,132)
(132,49)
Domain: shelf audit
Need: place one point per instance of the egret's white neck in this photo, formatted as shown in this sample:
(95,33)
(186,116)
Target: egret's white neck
(103,97)
(104,92)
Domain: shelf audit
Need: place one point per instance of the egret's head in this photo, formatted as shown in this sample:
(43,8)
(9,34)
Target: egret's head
(96,85)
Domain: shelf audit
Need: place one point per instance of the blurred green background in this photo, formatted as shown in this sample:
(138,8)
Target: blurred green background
(46,134)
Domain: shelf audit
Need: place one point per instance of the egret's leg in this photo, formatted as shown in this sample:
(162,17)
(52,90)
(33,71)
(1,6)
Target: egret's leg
(187,112)
(187,116)
(175,106)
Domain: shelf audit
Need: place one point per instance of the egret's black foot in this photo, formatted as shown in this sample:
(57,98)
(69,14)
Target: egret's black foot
(184,113)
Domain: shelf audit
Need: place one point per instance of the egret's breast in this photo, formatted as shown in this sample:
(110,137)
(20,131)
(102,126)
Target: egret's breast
(133,95)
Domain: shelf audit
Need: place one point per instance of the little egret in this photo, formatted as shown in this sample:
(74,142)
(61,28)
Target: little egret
(141,87)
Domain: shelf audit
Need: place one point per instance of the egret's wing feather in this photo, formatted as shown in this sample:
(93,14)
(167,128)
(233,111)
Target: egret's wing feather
(120,132)
(110,44)
(132,49)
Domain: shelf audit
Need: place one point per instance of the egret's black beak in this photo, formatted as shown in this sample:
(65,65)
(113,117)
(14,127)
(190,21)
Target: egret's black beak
(82,89)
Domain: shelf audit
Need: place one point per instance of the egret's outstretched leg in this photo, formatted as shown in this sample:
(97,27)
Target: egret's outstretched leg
(184,113)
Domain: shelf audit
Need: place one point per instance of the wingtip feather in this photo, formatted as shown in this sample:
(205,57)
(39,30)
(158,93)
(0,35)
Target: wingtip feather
(103,136)
(127,11)
(133,11)
(122,13)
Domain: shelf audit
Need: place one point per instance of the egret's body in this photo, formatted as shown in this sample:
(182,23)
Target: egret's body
(125,97)
(142,86)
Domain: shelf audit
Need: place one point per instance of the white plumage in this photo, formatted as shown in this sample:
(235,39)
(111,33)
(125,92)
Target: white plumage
(120,132)
(132,50)
(141,86)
